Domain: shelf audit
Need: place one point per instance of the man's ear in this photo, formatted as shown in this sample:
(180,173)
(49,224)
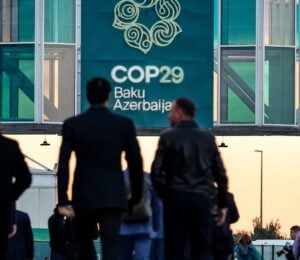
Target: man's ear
(181,115)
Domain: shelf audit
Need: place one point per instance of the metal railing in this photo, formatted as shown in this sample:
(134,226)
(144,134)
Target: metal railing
(268,248)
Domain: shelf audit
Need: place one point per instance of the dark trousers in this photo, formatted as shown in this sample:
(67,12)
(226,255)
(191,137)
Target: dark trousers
(57,257)
(85,226)
(3,245)
(188,224)
(222,256)
(157,249)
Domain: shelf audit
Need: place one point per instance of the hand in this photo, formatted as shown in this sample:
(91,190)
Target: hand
(221,217)
(67,211)
(13,231)
(153,235)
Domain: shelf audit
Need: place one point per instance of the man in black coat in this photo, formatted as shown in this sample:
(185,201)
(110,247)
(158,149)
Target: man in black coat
(223,242)
(14,179)
(99,137)
(186,168)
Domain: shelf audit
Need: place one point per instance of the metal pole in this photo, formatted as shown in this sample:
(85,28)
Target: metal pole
(36,162)
(261,186)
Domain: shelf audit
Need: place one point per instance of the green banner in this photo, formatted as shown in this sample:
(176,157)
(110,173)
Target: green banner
(152,51)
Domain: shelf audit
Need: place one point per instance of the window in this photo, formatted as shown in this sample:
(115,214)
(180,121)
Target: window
(60,21)
(17,82)
(237,85)
(279,85)
(17,20)
(280,22)
(238,22)
(59,81)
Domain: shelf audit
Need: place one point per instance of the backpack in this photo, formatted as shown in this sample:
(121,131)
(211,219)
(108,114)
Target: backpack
(143,211)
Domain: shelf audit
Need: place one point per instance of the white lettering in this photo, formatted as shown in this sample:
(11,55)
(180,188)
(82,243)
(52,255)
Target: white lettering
(137,74)
(141,76)
(151,72)
(114,74)
(159,105)
(118,105)
(126,105)
(118,92)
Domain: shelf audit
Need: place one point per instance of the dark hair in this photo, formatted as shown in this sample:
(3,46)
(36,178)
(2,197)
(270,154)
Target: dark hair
(97,90)
(187,106)
(294,228)
(245,239)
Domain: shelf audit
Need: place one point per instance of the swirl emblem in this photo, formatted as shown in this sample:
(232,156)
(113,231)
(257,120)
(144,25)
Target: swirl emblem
(139,36)
(126,14)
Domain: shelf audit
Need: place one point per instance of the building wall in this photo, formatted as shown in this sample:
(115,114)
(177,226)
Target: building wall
(256,61)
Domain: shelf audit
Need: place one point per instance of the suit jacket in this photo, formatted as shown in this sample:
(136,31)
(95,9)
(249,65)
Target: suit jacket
(12,166)
(99,137)
(187,159)
(20,246)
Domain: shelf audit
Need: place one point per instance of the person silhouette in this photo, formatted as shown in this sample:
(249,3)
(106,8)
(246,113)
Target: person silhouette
(14,179)
(98,137)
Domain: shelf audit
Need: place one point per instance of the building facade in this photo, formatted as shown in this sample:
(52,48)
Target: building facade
(256,65)
(257,52)
(38,60)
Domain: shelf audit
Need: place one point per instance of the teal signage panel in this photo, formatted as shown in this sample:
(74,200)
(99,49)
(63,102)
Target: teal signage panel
(152,52)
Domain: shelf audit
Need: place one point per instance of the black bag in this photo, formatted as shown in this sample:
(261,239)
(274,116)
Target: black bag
(143,211)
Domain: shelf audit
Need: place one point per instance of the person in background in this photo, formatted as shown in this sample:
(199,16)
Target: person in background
(139,225)
(295,235)
(61,236)
(14,179)
(245,250)
(157,248)
(20,246)
(98,137)
(185,172)
(223,243)
(290,250)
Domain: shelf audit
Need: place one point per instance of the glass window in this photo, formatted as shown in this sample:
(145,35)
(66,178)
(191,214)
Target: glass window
(280,22)
(215,99)
(297,63)
(216,22)
(59,82)
(238,25)
(297,23)
(17,82)
(237,85)
(17,20)
(279,85)
(60,21)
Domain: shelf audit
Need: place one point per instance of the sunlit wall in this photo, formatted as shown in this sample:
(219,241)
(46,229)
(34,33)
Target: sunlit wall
(280,172)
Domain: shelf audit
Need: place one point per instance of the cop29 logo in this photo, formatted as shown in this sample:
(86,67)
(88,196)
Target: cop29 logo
(136,35)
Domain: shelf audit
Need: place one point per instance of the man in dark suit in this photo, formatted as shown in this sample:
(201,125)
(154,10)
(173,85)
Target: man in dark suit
(98,138)
(14,179)
(186,167)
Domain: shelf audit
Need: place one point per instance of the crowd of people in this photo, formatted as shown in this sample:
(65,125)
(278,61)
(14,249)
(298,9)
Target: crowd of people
(181,210)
